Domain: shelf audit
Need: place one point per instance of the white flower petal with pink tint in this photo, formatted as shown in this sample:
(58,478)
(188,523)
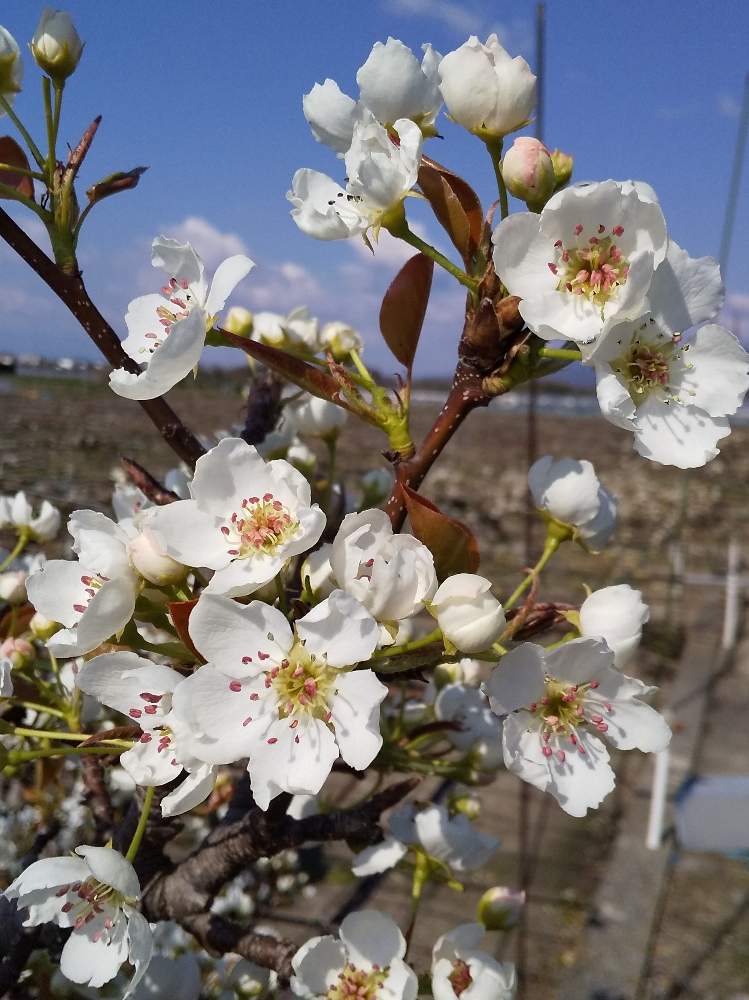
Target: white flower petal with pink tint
(551,732)
(586,261)
(246,518)
(460,968)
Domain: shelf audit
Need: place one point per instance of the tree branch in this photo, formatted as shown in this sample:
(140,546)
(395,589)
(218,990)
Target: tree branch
(71,290)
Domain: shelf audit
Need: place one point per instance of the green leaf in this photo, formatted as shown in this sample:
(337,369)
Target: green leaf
(404,306)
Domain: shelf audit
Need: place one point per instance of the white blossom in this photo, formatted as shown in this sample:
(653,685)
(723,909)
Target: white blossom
(461,969)
(16,512)
(283,698)
(315,417)
(569,492)
(166,331)
(11,67)
(615,614)
(485,89)
(556,703)
(56,45)
(586,261)
(366,961)
(6,677)
(95,894)
(468,709)
(470,617)
(340,339)
(245,518)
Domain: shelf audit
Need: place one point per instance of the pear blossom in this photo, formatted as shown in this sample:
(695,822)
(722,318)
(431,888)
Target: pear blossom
(365,961)
(166,331)
(461,969)
(239,321)
(451,840)
(528,171)
(392,575)
(11,67)
(16,512)
(315,417)
(674,393)
(380,175)
(568,491)
(555,705)
(56,45)
(301,457)
(317,573)
(393,85)
(245,519)
(283,698)
(468,709)
(144,692)
(18,650)
(470,617)
(499,908)
(615,614)
(339,339)
(95,894)
(485,90)
(585,262)
(6,677)
(92,597)
(13,586)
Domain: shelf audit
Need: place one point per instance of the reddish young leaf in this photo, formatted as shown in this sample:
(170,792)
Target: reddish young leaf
(12,154)
(404,306)
(306,376)
(447,209)
(451,542)
(442,204)
(180,612)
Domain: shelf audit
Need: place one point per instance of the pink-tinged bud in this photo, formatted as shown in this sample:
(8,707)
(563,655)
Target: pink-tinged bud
(149,559)
(19,651)
(528,171)
(499,908)
(563,164)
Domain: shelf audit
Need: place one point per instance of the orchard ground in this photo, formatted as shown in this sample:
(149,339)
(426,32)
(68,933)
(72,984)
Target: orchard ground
(59,439)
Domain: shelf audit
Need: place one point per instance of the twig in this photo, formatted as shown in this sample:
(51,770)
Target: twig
(147,484)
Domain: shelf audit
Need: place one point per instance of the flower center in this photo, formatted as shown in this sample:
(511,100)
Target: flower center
(259,526)
(90,900)
(302,684)
(179,303)
(649,365)
(149,704)
(460,978)
(562,710)
(592,266)
(91,585)
(356,984)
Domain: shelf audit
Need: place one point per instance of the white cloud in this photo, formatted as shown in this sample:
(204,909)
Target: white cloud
(211,243)
(469,17)
(281,287)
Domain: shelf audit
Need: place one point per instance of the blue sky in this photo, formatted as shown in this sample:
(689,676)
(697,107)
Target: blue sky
(209,96)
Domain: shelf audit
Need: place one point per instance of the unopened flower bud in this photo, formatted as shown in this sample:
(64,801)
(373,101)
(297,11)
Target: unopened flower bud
(446,673)
(13,586)
(317,573)
(528,172)
(464,801)
(467,612)
(563,164)
(317,417)
(486,756)
(43,628)
(56,46)
(18,651)
(238,320)
(340,339)
(149,559)
(499,908)
(11,67)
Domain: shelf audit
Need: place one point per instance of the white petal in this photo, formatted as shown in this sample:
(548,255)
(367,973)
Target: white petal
(107,614)
(142,323)
(232,636)
(401,982)
(615,402)
(244,576)
(358,540)
(294,760)
(322,209)
(110,866)
(140,947)
(453,839)
(685,290)
(331,115)
(341,629)
(148,764)
(225,279)
(371,938)
(316,966)
(518,681)
(179,260)
(178,354)
(189,793)
(716,377)
(190,535)
(228,473)
(567,488)
(94,963)
(378,858)
(99,542)
(355,711)
(684,436)
(119,679)
(55,588)
(633,725)
(220,708)
(579,660)
(49,873)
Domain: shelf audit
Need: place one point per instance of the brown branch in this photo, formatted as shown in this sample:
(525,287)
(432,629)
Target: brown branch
(96,797)
(71,290)
(263,407)
(146,483)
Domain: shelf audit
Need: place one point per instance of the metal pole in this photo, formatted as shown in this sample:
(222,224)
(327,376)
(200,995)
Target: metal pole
(735,183)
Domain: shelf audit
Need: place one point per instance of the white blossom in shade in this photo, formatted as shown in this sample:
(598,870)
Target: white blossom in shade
(450,839)
(13,586)
(586,261)
(615,614)
(282,697)
(468,709)
(557,704)
(166,331)
(95,894)
(339,339)
(147,554)
(245,519)
(56,45)
(485,90)
(674,392)
(568,491)
(11,67)
(392,575)
(127,501)
(461,969)
(365,961)
(470,617)
(317,573)
(93,597)
(380,175)
(393,84)
(144,691)
(6,677)
(16,512)
(315,417)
